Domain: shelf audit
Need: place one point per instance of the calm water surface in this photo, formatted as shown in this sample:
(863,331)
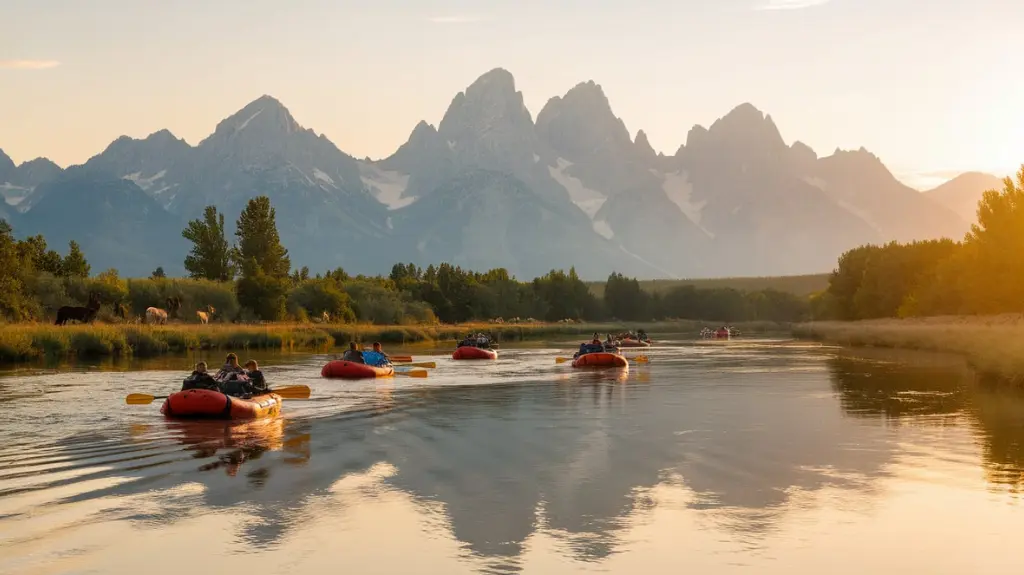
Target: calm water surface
(753,457)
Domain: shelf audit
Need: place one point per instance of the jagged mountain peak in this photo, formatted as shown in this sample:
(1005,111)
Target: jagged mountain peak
(644,145)
(859,162)
(264,117)
(746,122)
(496,82)
(6,164)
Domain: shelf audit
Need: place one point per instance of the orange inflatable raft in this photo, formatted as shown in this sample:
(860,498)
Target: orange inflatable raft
(600,359)
(341,369)
(471,352)
(209,404)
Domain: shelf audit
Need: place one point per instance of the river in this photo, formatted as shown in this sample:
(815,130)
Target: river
(755,456)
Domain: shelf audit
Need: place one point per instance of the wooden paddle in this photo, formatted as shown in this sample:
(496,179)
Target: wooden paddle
(291,392)
(638,359)
(412,373)
(400,358)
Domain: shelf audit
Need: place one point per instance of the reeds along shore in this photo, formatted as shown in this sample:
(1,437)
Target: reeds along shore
(30,342)
(992,345)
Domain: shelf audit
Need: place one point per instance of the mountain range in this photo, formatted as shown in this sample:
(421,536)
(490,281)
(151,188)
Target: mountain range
(490,186)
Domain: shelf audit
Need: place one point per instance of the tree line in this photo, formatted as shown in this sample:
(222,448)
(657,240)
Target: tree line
(252,278)
(981,275)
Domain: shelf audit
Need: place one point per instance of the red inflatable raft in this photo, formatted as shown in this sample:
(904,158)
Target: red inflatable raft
(633,343)
(341,369)
(208,404)
(471,352)
(600,359)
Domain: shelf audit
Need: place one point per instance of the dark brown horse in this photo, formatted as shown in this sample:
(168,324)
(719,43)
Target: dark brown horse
(81,314)
(173,305)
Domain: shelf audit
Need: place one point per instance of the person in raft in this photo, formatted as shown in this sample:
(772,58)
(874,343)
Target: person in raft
(257,382)
(377,348)
(231,369)
(200,379)
(353,354)
(482,340)
(595,346)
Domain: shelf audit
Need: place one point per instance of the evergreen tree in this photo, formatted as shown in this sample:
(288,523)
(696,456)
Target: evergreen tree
(259,241)
(74,264)
(210,257)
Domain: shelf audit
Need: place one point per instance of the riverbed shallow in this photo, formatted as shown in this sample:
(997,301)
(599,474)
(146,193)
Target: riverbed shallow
(764,456)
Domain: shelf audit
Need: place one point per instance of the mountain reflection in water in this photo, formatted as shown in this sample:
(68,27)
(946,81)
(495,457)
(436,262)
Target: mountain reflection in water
(741,440)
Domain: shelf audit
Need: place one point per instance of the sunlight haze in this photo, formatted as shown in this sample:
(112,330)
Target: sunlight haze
(931,88)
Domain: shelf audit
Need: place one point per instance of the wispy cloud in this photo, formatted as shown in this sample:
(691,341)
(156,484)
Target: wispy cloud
(28,64)
(456,19)
(790,4)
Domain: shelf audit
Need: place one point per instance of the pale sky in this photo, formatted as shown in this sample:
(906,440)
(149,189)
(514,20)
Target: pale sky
(930,86)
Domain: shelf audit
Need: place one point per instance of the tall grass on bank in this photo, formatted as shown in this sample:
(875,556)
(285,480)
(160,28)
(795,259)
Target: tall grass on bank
(29,342)
(993,345)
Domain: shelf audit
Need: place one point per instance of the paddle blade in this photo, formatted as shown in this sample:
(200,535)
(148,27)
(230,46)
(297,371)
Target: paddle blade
(293,392)
(562,359)
(641,359)
(413,373)
(425,364)
(139,399)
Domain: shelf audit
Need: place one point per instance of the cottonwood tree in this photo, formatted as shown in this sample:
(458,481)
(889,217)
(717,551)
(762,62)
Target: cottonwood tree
(210,257)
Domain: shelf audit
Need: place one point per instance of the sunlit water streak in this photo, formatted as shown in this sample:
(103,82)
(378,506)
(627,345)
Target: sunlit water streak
(782,457)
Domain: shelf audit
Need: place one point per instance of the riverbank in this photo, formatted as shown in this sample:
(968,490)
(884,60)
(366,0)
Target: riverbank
(30,342)
(992,345)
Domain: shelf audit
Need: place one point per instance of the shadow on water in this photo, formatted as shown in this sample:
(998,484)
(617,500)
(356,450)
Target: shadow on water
(743,432)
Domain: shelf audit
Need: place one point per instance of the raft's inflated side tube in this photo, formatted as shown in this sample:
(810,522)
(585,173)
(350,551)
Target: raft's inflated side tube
(600,359)
(209,404)
(471,352)
(341,369)
(633,343)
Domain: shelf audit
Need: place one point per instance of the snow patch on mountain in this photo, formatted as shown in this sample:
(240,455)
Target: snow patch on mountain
(603,229)
(387,186)
(678,188)
(586,199)
(145,182)
(323,177)
(251,118)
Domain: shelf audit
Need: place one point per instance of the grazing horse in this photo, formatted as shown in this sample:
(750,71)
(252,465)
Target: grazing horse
(82,314)
(156,315)
(204,316)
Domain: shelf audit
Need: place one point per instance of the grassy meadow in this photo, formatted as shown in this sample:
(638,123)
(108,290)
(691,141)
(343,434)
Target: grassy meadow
(31,342)
(993,345)
(802,285)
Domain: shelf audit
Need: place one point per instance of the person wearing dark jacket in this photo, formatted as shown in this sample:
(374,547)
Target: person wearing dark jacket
(200,379)
(231,369)
(257,382)
(353,354)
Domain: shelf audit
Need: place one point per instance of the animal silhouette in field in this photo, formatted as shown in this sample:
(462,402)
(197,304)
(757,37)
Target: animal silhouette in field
(80,314)
(204,316)
(155,315)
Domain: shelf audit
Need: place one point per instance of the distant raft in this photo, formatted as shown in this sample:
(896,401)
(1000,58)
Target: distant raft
(600,359)
(209,404)
(341,369)
(472,352)
(633,343)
